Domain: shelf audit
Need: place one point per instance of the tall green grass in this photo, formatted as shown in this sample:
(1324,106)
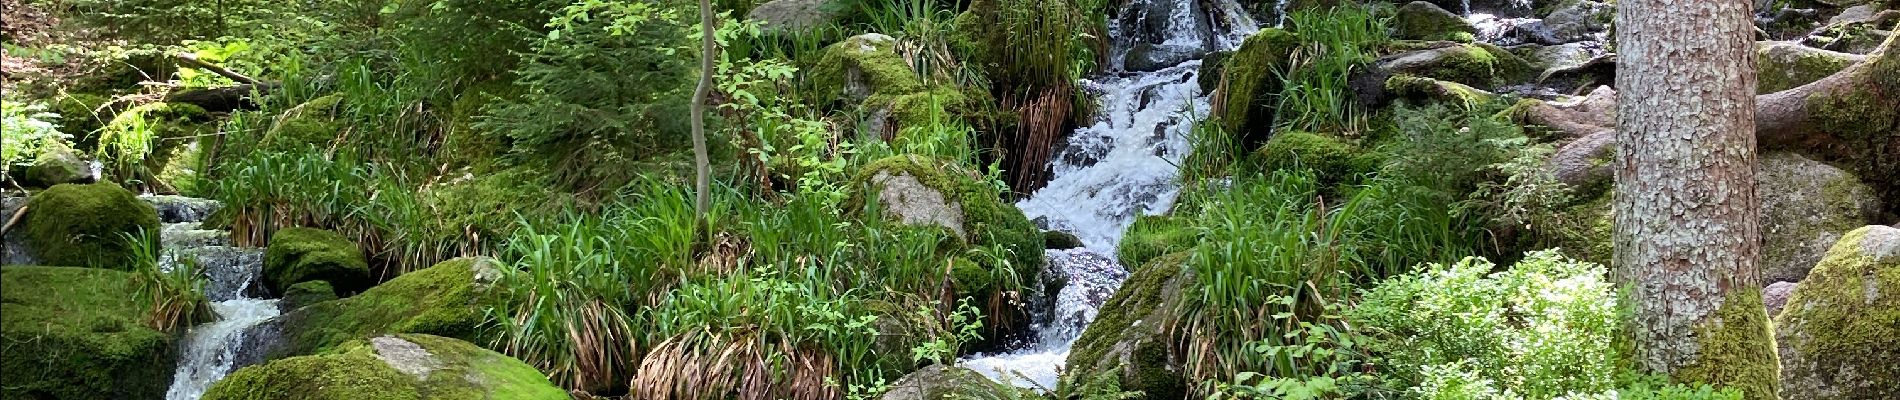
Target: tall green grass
(1335,43)
(173,296)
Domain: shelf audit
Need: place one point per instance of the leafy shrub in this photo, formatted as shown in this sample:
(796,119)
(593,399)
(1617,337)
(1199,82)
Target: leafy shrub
(604,88)
(28,129)
(1544,328)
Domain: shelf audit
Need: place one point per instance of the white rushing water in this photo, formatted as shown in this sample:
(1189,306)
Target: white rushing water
(214,349)
(1120,166)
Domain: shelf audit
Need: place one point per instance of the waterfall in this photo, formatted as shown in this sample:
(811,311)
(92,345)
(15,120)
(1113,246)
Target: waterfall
(211,350)
(1120,166)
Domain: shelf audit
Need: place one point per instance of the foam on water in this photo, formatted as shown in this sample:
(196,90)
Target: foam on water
(1120,166)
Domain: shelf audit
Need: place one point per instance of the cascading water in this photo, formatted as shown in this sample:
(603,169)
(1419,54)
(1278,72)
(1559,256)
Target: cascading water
(1121,166)
(214,349)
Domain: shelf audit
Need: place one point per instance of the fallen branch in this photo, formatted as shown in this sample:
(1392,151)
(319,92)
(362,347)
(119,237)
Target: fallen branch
(192,59)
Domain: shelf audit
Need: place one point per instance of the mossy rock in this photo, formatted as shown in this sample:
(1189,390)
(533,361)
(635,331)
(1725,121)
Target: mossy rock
(74,333)
(390,367)
(1333,162)
(1806,206)
(301,254)
(1059,240)
(87,225)
(82,115)
(1839,334)
(466,143)
(940,382)
(797,17)
(443,300)
(1479,65)
(1153,236)
(1127,347)
(141,141)
(1416,87)
(1863,122)
(919,190)
(307,293)
(1252,77)
(1787,65)
(1421,20)
(862,66)
(311,124)
(56,165)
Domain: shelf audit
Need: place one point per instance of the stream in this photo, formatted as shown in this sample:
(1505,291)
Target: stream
(211,350)
(1122,165)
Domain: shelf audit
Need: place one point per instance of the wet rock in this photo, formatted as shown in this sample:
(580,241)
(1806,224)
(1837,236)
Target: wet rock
(1145,57)
(1839,333)
(938,382)
(14,251)
(794,17)
(1127,345)
(1420,20)
(229,269)
(1776,295)
(177,209)
(185,235)
(1578,21)
(1560,56)
(405,366)
(1059,240)
(1806,206)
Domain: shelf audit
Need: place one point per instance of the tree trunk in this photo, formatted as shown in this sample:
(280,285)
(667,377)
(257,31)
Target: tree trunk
(1686,229)
(702,164)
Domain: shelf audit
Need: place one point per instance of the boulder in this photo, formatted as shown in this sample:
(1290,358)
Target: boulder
(1775,295)
(917,190)
(1059,240)
(1142,57)
(1128,348)
(862,66)
(302,254)
(940,382)
(1839,334)
(307,293)
(74,333)
(1420,20)
(1806,206)
(1786,65)
(181,209)
(795,17)
(56,165)
(1479,65)
(1577,21)
(405,366)
(1332,161)
(87,225)
(443,300)
(1253,79)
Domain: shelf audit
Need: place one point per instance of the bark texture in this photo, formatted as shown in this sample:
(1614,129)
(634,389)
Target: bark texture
(702,163)
(1686,231)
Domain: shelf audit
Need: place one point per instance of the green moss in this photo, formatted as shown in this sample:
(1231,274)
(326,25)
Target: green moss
(973,281)
(442,300)
(305,254)
(1866,123)
(1153,236)
(988,220)
(73,333)
(87,225)
(1025,46)
(1252,80)
(1423,21)
(465,144)
(1134,316)
(1333,162)
(1060,240)
(1736,349)
(1409,86)
(357,370)
(307,293)
(1797,68)
(871,59)
(1840,330)
(311,124)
